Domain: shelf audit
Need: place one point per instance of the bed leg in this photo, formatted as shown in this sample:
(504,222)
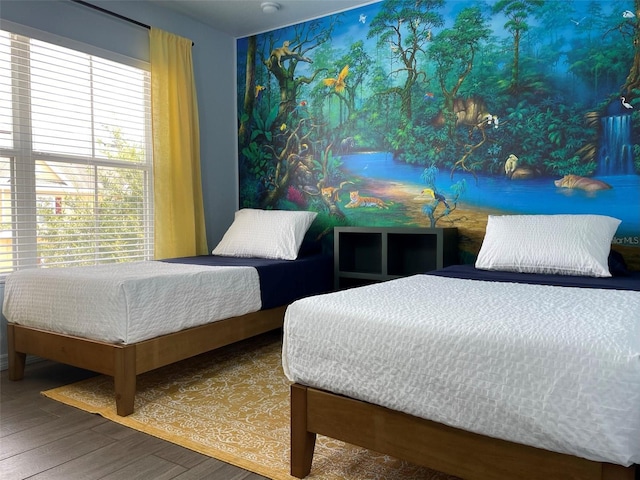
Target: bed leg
(124,379)
(17,360)
(302,441)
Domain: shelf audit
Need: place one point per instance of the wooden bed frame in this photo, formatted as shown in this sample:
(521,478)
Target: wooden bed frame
(125,362)
(426,443)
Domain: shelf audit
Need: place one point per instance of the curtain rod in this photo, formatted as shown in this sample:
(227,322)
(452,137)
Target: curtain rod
(114,14)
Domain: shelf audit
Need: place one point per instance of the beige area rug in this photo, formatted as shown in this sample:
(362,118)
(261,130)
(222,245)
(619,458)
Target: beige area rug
(233,404)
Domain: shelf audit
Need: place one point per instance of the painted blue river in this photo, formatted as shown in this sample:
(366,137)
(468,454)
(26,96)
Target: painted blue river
(538,195)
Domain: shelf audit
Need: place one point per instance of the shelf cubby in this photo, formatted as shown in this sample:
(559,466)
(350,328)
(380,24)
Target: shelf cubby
(365,255)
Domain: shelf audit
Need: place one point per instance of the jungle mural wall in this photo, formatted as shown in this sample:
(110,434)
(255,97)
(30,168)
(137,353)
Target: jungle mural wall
(438,113)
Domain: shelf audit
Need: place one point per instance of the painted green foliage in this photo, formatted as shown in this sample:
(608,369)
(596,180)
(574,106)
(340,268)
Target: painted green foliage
(455,89)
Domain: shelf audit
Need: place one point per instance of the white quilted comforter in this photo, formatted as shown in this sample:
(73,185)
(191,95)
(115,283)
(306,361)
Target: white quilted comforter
(129,302)
(552,367)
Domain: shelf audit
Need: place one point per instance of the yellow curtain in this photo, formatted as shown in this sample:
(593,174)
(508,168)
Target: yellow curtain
(179,228)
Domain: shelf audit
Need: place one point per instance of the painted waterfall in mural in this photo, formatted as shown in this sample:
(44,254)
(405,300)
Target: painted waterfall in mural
(438,113)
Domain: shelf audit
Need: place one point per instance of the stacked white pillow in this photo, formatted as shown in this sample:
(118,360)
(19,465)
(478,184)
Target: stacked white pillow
(265,234)
(555,244)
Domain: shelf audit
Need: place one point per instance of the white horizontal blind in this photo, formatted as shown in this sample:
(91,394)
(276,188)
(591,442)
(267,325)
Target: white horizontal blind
(75,158)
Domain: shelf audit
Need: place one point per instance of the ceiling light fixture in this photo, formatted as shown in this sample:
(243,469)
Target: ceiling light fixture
(270,7)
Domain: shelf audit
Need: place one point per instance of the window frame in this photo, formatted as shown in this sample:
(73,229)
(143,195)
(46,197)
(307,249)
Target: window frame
(22,157)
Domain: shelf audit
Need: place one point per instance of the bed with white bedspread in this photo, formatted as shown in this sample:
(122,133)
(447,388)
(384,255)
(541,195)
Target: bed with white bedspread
(126,319)
(551,367)
(129,318)
(480,373)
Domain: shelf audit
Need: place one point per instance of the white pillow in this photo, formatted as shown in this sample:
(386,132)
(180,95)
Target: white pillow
(557,244)
(265,234)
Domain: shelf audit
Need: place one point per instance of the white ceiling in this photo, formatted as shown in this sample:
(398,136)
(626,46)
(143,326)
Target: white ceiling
(241,18)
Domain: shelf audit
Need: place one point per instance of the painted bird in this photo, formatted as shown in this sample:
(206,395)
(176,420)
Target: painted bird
(625,104)
(338,83)
(435,195)
(492,120)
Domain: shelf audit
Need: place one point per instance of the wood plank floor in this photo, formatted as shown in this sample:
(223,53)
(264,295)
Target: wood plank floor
(44,439)
(47,440)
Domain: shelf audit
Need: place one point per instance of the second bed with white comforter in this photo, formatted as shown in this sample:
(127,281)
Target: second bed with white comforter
(553,367)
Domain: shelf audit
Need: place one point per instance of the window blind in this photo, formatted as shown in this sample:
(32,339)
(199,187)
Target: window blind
(75,157)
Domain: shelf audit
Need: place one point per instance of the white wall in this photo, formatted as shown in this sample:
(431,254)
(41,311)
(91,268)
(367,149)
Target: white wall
(214,70)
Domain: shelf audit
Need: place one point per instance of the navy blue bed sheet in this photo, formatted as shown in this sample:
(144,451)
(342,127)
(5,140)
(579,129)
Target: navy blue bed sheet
(281,281)
(469,272)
